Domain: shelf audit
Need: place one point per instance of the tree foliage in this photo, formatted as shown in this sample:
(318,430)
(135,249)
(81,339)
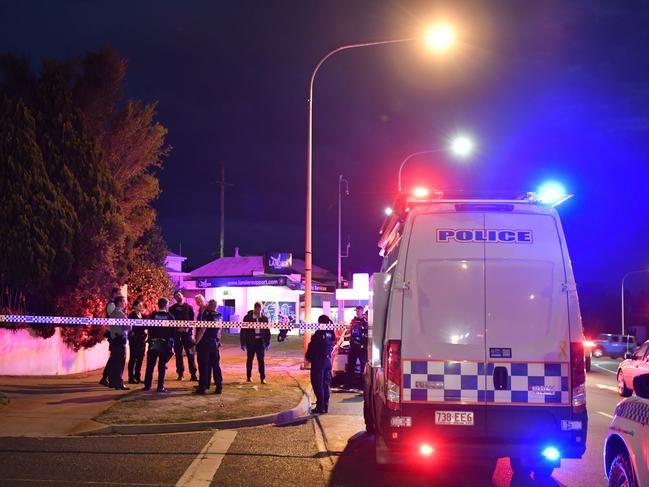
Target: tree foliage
(77,180)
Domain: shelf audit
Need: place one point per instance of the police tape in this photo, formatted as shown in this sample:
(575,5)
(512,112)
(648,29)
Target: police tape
(71,321)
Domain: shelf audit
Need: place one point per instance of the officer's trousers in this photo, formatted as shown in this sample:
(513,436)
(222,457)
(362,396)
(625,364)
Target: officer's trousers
(321,382)
(257,349)
(356,353)
(162,355)
(117,361)
(183,341)
(208,364)
(136,348)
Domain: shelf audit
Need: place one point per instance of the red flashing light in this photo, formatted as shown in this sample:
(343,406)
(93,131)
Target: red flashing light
(589,344)
(426,450)
(420,192)
(578,370)
(393,374)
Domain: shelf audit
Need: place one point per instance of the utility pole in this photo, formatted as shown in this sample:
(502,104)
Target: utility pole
(223,184)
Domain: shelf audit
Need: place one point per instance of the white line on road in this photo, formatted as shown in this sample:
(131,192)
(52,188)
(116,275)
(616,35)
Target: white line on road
(605,369)
(607,387)
(609,416)
(202,470)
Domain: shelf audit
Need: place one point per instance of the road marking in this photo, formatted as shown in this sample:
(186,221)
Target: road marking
(605,369)
(202,470)
(609,416)
(608,388)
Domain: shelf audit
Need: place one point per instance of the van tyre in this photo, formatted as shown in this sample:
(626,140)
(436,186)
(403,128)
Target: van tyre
(367,415)
(587,364)
(621,473)
(622,389)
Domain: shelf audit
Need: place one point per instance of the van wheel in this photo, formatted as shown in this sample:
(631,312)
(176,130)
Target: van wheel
(622,389)
(588,364)
(367,414)
(621,473)
(598,352)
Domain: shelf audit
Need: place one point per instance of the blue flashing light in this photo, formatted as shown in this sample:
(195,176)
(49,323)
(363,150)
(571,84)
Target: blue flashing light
(551,193)
(551,453)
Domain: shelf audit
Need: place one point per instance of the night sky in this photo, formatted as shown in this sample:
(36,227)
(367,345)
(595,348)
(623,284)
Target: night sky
(548,89)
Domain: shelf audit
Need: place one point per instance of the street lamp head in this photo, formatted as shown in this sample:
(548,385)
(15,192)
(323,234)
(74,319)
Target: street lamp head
(440,37)
(462,146)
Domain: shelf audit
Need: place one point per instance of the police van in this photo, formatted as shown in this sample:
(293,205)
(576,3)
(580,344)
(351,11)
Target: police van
(476,348)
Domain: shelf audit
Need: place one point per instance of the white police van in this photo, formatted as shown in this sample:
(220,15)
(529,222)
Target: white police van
(476,346)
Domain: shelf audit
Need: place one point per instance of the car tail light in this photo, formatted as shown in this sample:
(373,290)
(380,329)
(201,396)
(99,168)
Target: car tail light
(393,374)
(578,375)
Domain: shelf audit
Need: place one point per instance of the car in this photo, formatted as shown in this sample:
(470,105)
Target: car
(613,346)
(626,447)
(476,341)
(634,364)
(339,356)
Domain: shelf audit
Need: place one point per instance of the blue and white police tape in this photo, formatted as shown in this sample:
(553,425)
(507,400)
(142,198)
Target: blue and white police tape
(72,320)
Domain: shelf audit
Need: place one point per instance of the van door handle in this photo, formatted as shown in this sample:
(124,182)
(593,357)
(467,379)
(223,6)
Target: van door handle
(405,286)
(500,378)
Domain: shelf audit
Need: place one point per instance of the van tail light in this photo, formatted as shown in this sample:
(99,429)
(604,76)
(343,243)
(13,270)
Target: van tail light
(578,375)
(393,374)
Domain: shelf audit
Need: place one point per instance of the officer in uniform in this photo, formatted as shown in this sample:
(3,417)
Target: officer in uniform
(319,354)
(208,341)
(118,334)
(183,337)
(255,341)
(358,342)
(161,347)
(136,345)
(109,308)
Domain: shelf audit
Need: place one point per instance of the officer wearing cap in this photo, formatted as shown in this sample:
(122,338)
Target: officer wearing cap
(207,345)
(319,354)
(161,347)
(358,341)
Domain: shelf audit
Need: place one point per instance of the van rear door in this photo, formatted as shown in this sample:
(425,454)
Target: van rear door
(443,324)
(527,328)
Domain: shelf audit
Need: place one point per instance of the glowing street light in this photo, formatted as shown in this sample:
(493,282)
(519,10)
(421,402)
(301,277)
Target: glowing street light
(441,38)
(389,211)
(462,146)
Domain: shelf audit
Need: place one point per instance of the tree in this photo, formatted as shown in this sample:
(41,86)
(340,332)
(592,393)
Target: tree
(149,282)
(77,184)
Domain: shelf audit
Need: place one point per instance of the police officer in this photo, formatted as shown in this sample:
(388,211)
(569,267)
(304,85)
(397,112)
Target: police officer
(183,337)
(319,354)
(358,342)
(136,345)
(161,347)
(118,334)
(207,347)
(109,308)
(255,341)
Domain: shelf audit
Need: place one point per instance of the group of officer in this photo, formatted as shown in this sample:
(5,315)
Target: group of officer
(163,342)
(201,346)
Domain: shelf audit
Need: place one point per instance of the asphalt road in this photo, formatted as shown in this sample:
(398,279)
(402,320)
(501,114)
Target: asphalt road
(329,450)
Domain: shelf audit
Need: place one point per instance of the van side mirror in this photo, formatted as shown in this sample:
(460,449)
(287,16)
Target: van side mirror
(641,385)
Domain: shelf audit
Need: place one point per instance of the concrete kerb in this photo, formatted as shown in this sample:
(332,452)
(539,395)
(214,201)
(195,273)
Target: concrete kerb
(298,412)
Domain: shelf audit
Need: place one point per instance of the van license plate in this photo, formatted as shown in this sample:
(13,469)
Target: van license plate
(454,418)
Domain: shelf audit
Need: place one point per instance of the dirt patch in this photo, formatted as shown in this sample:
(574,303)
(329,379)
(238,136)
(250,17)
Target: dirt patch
(285,387)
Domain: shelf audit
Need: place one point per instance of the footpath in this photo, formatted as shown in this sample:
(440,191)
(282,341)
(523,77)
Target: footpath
(39,406)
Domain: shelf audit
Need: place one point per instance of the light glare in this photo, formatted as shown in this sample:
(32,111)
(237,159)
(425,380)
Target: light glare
(462,146)
(426,450)
(440,37)
(551,453)
(420,192)
(388,211)
(551,192)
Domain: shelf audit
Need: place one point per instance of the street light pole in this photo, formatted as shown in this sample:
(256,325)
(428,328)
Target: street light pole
(308,253)
(640,271)
(341,180)
(414,154)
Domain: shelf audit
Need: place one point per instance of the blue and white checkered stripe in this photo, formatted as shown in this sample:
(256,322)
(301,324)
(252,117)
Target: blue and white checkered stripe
(633,409)
(528,383)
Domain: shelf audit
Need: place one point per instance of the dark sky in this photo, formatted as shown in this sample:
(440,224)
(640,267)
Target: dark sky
(549,89)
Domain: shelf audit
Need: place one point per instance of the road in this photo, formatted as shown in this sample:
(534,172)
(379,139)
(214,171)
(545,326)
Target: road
(329,450)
